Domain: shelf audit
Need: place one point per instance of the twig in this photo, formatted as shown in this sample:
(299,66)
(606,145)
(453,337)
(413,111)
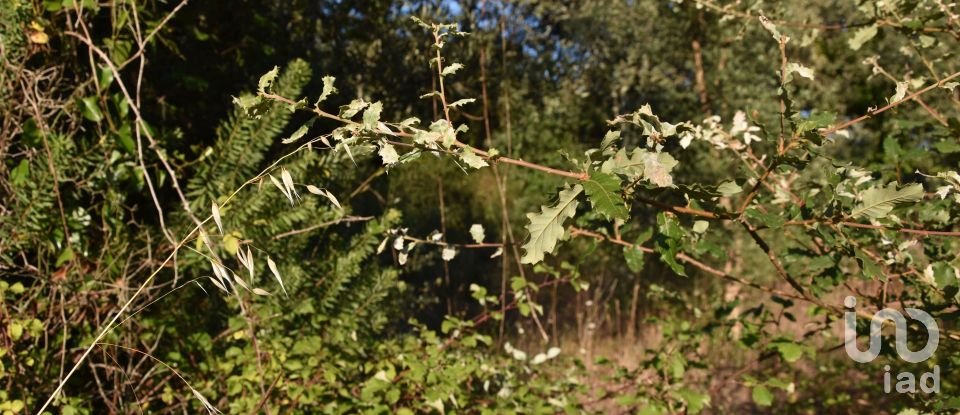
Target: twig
(828,131)
(345,219)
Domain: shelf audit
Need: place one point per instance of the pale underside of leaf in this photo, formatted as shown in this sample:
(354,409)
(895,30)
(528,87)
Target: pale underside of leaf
(546,227)
(879,201)
(477,233)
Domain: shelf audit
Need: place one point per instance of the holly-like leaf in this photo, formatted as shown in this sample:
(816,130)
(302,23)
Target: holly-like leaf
(328,89)
(879,201)
(388,153)
(546,227)
(604,193)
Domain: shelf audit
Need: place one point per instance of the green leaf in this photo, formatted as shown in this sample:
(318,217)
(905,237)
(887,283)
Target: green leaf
(630,166)
(90,109)
(944,275)
(123,136)
(652,409)
(267,80)
(65,256)
(371,116)
(604,193)
(668,241)
(472,159)
(546,227)
(869,268)
(809,127)
(634,256)
(15,330)
(676,364)
(695,400)
(770,220)
(879,201)
(762,395)
(790,351)
(20,173)
(947,146)
(863,35)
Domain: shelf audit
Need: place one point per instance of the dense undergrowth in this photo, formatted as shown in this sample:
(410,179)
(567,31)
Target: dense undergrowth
(474,207)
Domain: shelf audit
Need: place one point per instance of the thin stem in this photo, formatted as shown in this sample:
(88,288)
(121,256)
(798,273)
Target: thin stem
(828,131)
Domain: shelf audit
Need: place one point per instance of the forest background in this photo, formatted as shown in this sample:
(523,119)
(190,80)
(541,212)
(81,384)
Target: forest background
(474,206)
